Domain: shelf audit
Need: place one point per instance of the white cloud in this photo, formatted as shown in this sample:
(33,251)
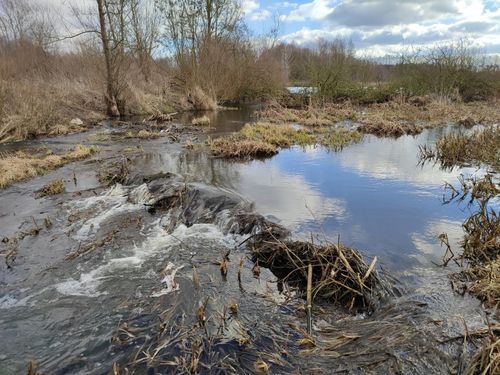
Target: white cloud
(315,10)
(260,15)
(249,6)
(381,27)
(253,10)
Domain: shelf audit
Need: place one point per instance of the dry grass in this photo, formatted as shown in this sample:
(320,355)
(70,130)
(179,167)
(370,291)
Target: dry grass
(277,135)
(200,100)
(201,121)
(481,242)
(383,128)
(22,166)
(388,119)
(40,92)
(311,116)
(114,172)
(339,273)
(432,114)
(263,139)
(34,109)
(482,281)
(52,188)
(233,147)
(487,360)
(479,147)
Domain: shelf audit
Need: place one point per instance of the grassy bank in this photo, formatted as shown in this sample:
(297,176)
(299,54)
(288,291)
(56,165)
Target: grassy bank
(22,166)
(61,106)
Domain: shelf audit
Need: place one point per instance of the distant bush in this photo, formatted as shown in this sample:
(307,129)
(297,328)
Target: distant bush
(454,71)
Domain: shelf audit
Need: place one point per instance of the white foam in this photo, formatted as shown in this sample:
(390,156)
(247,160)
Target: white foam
(158,241)
(8,301)
(86,286)
(117,200)
(140,195)
(169,279)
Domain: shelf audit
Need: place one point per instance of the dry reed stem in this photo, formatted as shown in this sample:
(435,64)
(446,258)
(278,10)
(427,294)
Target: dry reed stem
(339,273)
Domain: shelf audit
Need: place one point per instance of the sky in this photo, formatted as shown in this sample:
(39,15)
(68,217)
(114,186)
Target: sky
(379,28)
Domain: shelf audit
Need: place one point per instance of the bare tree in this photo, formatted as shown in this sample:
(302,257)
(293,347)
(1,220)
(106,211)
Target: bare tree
(191,23)
(329,66)
(145,23)
(111,83)
(25,21)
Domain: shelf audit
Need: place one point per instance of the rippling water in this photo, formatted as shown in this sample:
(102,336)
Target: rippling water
(374,195)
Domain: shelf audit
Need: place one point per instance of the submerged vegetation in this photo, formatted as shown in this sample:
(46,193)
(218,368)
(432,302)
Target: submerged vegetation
(52,188)
(21,166)
(487,359)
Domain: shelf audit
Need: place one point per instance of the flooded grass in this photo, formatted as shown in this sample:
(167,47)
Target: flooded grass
(277,135)
(481,241)
(52,188)
(232,147)
(480,147)
(482,281)
(229,315)
(201,121)
(338,138)
(263,139)
(391,119)
(388,128)
(143,134)
(339,273)
(114,172)
(21,166)
(326,115)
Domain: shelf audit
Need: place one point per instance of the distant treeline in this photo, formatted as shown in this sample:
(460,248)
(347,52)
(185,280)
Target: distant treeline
(120,57)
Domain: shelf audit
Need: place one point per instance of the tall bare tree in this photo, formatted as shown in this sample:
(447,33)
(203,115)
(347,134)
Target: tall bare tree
(111,83)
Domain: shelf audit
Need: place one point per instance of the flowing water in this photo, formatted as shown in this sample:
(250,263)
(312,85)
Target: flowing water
(129,297)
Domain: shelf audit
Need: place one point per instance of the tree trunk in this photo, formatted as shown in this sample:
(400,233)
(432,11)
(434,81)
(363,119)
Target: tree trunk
(112,107)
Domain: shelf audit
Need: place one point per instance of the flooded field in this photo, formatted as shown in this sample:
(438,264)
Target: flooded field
(114,280)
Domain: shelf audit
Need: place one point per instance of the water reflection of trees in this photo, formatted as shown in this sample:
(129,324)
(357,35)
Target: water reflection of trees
(200,167)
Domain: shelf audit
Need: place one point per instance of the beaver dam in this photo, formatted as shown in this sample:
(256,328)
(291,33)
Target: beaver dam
(160,254)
